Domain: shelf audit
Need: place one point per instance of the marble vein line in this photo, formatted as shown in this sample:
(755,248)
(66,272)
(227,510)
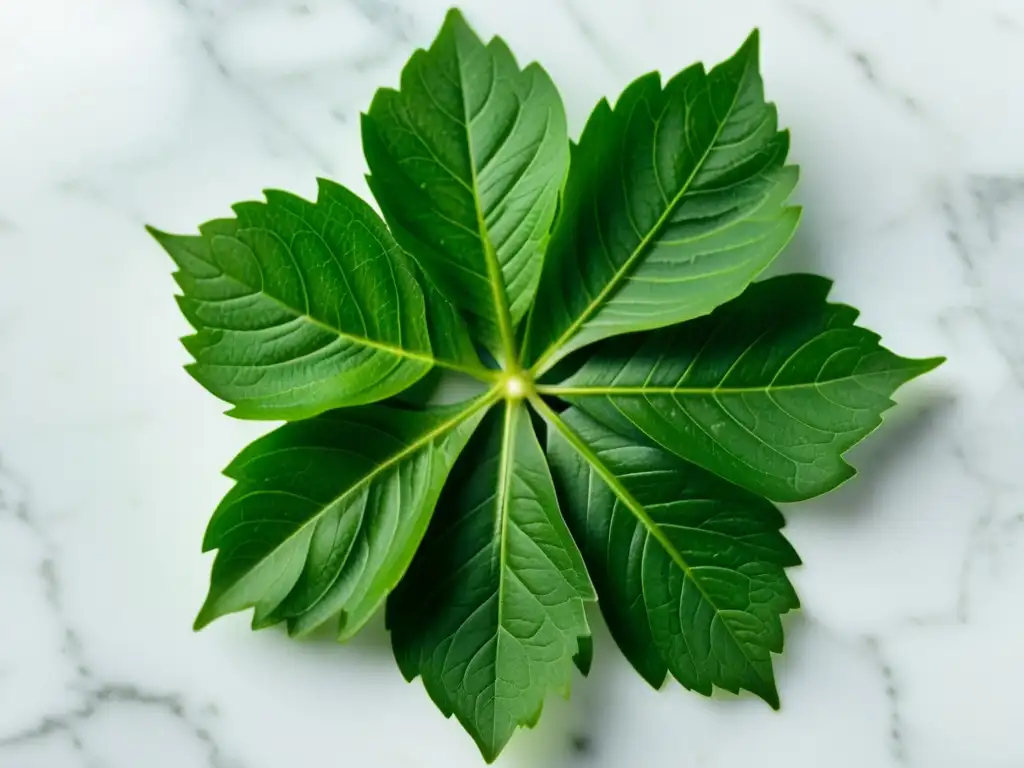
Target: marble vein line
(385,15)
(261,108)
(94,695)
(864,64)
(603,51)
(897,747)
(990,195)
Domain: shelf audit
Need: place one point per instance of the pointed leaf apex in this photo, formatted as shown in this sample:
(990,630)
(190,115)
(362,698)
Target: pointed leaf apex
(454,16)
(205,617)
(752,45)
(584,657)
(455,22)
(926,364)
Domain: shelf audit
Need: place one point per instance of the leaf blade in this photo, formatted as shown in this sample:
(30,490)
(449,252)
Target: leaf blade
(466,161)
(675,202)
(491,613)
(301,307)
(326,512)
(690,570)
(767,392)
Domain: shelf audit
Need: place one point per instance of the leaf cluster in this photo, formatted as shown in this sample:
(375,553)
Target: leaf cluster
(643,402)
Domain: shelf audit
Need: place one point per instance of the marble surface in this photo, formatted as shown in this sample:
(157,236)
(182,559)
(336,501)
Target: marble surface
(906,118)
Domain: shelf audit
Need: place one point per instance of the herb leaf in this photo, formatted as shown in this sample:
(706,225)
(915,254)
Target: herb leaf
(491,612)
(690,570)
(767,392)
(301,307)
(326,513)
(615,275)
(676,200)
(466,161)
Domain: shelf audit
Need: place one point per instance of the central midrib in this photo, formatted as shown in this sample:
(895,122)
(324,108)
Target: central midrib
(362,340)
(495,277)
(505,481)
(560,391)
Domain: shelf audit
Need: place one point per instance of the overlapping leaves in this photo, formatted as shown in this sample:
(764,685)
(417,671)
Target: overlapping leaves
(613,276)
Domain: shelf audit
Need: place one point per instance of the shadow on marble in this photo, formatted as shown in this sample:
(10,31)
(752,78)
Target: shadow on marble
(905,429)
(371,641)
(801,255)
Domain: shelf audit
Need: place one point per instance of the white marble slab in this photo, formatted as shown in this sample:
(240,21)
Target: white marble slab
(907,119)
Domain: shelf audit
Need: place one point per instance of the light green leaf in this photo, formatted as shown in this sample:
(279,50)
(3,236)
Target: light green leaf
(767,392)
(326,513)
(689,569)
(491,612)
(300,307)
(466,161)
(676,200)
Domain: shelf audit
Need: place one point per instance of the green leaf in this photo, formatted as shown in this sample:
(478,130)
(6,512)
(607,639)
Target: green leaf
(615,274)
(466,161)
(491,612)
(300,307)
(326,513)
(767,392)
(689,569)
(676,200)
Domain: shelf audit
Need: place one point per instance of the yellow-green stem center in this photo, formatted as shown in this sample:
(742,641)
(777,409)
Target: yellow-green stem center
(518,385)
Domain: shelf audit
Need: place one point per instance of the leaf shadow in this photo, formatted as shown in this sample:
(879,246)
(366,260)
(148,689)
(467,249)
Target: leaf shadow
(884,454)
(569,732)
(795,627)
(800,255)
(371,642)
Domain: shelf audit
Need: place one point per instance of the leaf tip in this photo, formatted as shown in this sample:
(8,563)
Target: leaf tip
(455,24)
(792,214)
(265,620)
(454,16)
(205,617)
(584,658)
(751,48)
(926,364)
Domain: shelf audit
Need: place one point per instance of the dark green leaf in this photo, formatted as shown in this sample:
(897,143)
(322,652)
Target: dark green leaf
(767,392)
(466,161)
(676,200)
(326,513)
(689,569)
(301,307)
(615,275)
(491,613)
